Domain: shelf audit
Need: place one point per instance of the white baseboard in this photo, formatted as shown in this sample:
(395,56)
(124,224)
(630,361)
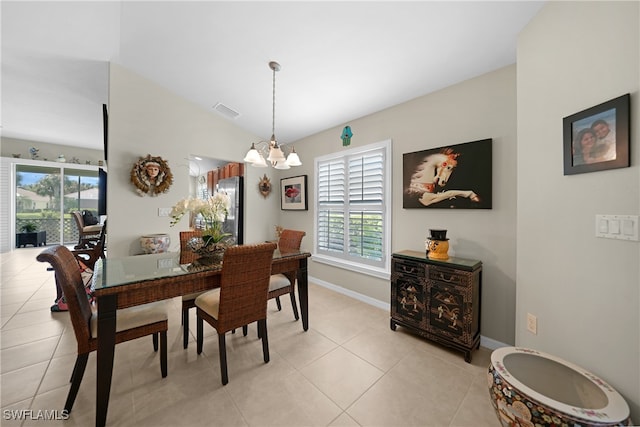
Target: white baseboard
(355,295)
(485,342)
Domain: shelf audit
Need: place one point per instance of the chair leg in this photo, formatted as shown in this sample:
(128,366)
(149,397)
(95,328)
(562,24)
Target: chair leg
(262,328)
(163,353)
(185,328)
(155,341)
(292,294)
(278,304)
(222,345)
(76,379)
(199,334)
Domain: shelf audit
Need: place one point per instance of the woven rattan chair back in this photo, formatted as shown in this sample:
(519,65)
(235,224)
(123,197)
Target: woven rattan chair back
(69,279)
(186,255)
(244,284)
(290,240)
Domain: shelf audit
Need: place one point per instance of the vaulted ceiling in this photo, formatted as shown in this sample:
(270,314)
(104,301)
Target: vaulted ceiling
(340,60)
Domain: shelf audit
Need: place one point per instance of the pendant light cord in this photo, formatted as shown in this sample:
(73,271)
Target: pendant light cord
(273,115)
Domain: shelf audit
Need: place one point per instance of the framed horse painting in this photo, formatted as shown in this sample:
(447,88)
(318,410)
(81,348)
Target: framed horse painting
(452,177)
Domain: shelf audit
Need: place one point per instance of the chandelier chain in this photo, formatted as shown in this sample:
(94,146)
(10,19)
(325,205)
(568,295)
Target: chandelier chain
(273,114)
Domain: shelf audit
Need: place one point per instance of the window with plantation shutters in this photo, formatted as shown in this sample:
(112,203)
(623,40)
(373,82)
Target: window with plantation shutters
(352,212)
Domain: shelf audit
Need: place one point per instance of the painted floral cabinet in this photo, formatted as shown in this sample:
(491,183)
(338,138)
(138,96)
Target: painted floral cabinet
(438,300)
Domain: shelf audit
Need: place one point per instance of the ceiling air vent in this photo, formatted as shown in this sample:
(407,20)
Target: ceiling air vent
(225,111)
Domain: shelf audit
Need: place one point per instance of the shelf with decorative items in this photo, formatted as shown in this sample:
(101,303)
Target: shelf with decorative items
(437,299)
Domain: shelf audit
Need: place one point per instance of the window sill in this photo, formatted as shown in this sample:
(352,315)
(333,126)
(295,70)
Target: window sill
(352,266)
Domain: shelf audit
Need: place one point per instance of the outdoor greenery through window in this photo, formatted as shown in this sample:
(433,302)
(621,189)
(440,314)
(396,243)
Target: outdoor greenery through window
(352,211)
(46,196)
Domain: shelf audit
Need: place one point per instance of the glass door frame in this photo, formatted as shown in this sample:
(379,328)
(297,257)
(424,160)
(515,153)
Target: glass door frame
(15,163)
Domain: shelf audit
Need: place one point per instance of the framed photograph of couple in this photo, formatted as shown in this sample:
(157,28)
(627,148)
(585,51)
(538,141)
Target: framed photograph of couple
(293,193)
(597,138)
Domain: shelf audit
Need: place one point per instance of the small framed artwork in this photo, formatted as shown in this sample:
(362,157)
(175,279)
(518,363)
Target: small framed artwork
(597,138)
(293,193)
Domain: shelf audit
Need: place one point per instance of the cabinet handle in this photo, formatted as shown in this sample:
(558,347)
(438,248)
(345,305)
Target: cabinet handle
(408,269)
(450,279)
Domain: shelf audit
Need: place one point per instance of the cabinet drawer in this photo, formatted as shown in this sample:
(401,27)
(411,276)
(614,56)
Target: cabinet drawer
(445,275)
(408,267)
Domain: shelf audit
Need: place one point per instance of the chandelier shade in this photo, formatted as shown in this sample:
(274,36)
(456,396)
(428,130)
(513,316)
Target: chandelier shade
(263,151)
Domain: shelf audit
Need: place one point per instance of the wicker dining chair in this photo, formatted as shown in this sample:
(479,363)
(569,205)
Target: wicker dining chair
(284,283)
(131,323)
(240,300)
(188,301)
(88,235)
(90,255)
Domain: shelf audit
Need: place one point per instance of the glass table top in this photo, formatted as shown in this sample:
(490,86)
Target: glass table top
(112,272)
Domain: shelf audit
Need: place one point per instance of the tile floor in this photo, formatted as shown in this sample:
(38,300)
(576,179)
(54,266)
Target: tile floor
(349,369)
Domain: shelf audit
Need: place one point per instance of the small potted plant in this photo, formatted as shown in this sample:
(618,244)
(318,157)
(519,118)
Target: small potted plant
(29,227)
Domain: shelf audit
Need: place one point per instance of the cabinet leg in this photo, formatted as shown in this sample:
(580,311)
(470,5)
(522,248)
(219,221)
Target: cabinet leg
(392,324)
(467,356)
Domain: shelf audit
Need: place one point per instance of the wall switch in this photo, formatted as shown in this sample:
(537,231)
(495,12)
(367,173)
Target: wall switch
(614,226)
(164,211)
(603,225)
(621,227)
(627,227)
(532,324)
(165,263)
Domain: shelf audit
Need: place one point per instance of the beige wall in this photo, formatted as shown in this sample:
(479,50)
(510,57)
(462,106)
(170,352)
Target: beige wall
(584,290)
(484,107)
(145,118)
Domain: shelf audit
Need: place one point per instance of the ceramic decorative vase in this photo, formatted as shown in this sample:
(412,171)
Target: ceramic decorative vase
(532,388)
(437,245)
(155,243)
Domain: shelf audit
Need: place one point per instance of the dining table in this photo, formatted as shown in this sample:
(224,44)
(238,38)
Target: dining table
(141,279)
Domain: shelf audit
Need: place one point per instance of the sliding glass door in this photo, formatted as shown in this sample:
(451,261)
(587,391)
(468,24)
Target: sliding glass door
(45,196)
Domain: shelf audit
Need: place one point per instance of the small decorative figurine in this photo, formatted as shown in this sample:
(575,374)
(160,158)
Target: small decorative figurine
(346,136)
(61,159)
(34,152)
(151,176)
(437,245)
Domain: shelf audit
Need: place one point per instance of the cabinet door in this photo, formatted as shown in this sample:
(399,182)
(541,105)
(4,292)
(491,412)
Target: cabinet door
(446,314)
(409,301)
(408,292)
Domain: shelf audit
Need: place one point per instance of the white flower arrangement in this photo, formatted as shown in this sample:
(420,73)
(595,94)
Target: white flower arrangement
(213,210)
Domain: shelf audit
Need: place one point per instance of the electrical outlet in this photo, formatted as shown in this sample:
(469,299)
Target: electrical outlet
(532,323)
(164,211)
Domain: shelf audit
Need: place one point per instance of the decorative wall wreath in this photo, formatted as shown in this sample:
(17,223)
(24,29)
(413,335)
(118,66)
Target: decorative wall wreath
(151,176)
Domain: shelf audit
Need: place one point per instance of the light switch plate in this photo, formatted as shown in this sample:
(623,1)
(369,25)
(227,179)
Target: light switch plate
(165,263)
(164,211)
(621,227)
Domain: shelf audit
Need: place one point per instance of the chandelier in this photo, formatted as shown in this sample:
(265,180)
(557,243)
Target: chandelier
(271,149)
